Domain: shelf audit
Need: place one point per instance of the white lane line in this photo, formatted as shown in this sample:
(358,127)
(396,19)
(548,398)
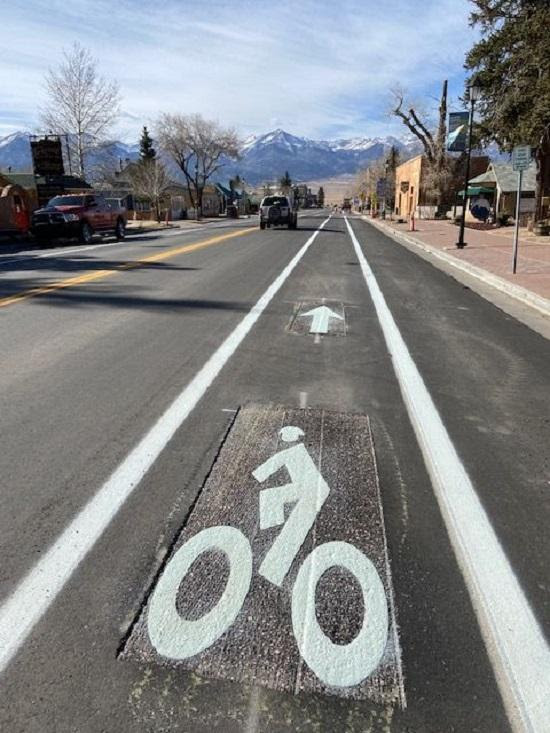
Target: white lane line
(34,594)
(516,645)
(60,252)
(162,234)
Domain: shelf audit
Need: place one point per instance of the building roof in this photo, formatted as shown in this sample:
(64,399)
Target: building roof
(487,177)
(25,180)
(507,178)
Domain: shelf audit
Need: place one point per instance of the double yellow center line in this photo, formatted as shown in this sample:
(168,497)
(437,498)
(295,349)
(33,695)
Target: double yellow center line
(100,274)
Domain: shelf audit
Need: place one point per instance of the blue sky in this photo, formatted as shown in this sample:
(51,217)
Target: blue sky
(320,69)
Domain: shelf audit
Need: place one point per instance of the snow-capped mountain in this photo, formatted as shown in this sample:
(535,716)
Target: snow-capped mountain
(15,151)
(270,155)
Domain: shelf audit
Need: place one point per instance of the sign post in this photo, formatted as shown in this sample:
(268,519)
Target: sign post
(521,160)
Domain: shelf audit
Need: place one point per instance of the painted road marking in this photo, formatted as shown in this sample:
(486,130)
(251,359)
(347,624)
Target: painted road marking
(321,317)
(101,274)
(516,645)
(281,575)
(34,594)
(131,238)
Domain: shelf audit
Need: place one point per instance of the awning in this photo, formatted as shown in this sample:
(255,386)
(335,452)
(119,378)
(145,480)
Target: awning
(476,190)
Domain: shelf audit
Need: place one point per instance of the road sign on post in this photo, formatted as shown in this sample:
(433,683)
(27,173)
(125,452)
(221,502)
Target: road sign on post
(521,160)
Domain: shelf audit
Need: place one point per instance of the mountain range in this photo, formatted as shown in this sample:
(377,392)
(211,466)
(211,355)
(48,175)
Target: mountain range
(270,155)
(262,157)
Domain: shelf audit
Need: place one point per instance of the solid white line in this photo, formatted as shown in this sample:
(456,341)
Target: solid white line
(516,645)
(159,234)
(59,252)
(34,594)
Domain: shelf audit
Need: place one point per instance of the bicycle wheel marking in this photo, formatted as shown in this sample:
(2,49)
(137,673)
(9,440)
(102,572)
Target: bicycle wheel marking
(179,638)
(292,497)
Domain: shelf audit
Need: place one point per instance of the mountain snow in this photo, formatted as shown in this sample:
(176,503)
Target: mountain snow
(262,157)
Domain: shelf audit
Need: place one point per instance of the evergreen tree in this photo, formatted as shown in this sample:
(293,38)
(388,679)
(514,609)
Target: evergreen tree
(285,182)
(321,197)
(146,149)
(511,63)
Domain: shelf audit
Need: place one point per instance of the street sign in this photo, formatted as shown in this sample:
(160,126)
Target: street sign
(281,575)
(381,187)
(521,158)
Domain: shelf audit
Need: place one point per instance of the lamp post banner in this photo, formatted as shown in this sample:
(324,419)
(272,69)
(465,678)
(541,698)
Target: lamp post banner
(458,129)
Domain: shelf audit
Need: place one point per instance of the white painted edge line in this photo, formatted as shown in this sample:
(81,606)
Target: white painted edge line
(516,645)
(517,292)
(60,252)
(130,238)
(38,589)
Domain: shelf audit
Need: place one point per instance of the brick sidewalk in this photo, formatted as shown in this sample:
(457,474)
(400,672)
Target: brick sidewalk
(489,250)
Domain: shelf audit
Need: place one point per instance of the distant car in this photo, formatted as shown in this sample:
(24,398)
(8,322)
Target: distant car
(278,210)
(78,216)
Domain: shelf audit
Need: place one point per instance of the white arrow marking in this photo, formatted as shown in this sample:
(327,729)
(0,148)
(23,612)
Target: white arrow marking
(321,318)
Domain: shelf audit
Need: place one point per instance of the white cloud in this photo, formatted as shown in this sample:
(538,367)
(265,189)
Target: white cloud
(319,68)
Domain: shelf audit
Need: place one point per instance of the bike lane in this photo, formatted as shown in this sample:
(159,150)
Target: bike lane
(448,683)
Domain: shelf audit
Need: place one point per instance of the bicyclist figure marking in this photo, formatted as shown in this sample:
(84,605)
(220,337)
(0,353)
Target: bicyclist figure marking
(338,665)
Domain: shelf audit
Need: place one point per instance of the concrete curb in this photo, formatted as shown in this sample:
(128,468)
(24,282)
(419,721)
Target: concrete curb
(542,305)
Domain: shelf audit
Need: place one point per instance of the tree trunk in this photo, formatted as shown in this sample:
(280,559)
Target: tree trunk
(80,152)
(199,202)
(440,152)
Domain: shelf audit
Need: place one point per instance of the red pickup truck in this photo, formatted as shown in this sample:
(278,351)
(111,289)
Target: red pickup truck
(78,216)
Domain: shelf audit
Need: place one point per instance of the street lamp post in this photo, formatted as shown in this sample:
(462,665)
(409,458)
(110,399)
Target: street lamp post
(475,93)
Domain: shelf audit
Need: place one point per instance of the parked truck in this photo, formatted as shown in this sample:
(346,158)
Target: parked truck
(78,216)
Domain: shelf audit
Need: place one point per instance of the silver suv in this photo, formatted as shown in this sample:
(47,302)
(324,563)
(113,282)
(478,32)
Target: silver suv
(277,211)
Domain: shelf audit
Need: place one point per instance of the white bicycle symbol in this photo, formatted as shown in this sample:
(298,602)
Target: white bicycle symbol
(340,665)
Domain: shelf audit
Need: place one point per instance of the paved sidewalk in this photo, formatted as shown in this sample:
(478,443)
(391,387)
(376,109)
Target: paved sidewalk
(488,255)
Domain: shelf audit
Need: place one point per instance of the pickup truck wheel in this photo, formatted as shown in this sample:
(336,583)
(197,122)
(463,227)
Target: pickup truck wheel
(262,225)
(120,230)
(86,233)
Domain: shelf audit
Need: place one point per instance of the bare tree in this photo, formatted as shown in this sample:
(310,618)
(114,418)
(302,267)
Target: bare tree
(198,147)
(150,180)
(366,181)
(433,143)
(81,104)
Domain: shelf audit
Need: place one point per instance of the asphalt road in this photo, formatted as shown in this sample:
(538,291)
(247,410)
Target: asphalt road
(129,369)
